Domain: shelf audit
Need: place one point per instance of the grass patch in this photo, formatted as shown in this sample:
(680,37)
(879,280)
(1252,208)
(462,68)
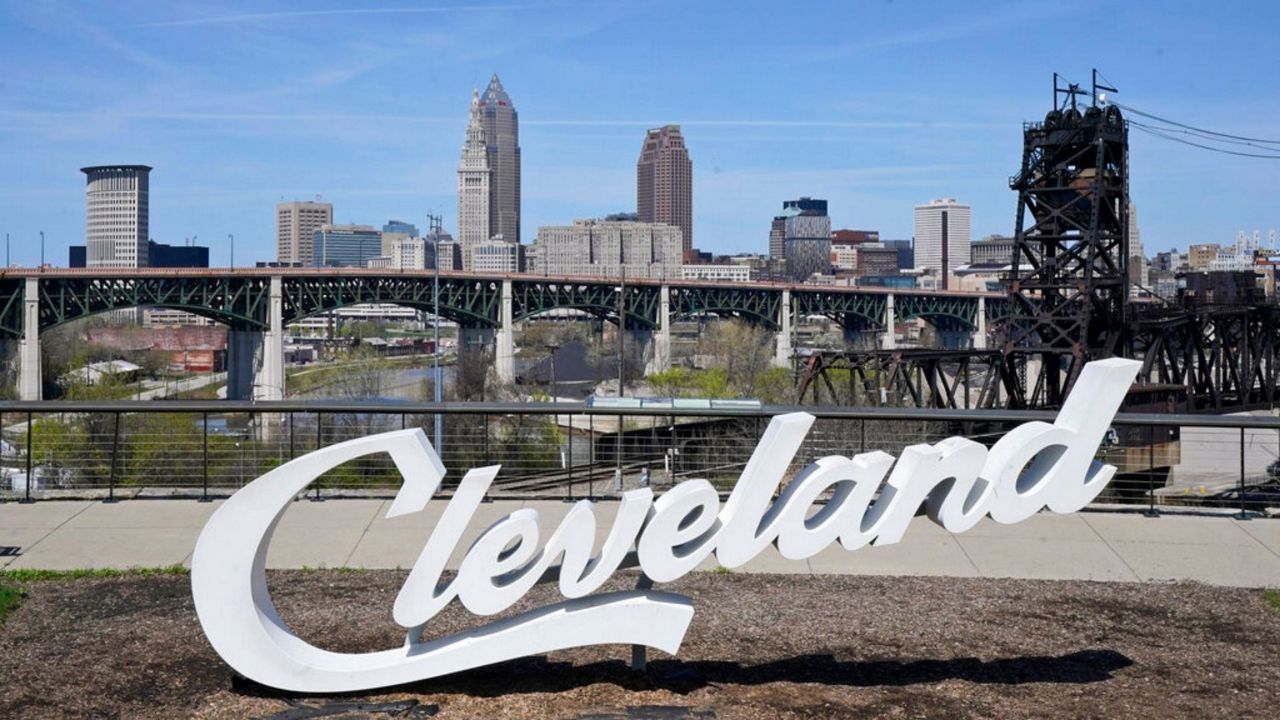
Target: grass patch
(1272,596)
(722,570)
(25,576)
(9,598)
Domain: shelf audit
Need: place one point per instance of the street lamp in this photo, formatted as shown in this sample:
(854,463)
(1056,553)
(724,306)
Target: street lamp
(435,292)
(233,250)
(42,249)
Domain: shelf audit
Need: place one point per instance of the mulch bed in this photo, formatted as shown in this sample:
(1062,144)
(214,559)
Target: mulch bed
(761,646)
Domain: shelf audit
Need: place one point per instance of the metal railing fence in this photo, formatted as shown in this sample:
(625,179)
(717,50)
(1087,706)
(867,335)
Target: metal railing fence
(124,449)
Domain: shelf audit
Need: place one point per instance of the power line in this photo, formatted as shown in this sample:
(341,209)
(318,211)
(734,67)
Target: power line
(1161,133)
(1202,136)
(1136,111)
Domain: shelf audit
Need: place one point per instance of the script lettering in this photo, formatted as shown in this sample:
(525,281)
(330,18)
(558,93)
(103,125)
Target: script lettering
(957,481)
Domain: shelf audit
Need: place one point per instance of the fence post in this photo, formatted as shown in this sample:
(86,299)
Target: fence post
(204,492)
(1242,515)
(31,430)
(319,444)
(257,433)
(568,458)
(115,453)
(1151,473)
(291,449)
(591,457)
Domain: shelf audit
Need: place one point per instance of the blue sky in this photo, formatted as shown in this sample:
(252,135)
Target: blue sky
(875,106)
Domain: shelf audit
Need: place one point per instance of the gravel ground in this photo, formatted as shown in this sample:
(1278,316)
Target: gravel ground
(760,646)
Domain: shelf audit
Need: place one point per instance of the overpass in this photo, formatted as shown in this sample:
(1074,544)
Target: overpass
(257,304)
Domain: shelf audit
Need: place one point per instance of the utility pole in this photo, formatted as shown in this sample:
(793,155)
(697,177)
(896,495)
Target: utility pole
(434,225)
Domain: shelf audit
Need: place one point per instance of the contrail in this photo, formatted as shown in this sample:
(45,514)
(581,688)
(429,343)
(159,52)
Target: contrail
(295,14)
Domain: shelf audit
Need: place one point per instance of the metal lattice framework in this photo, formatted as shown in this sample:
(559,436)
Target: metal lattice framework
(11,306)
(240,299)
(855,312)
(1222,357)
(237,301)
(640,304)
(911,378)
(955,310)
(1069,282)
(756,306)
(470,302)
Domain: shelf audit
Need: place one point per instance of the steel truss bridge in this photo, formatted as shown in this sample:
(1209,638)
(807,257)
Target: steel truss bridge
(240,298)
(256,304)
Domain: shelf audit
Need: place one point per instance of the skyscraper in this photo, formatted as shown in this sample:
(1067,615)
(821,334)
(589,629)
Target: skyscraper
(502,149)
(806,238)
(664,181)
(942,238)
(1137,256)
(118,216)
(296,224)
(474,177)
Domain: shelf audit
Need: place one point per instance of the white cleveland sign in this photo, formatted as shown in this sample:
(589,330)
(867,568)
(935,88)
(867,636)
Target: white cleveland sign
(1037,465)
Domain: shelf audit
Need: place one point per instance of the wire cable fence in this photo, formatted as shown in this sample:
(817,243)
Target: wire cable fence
(208,449)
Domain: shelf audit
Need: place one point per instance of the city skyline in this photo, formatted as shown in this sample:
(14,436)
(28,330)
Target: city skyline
(374,131)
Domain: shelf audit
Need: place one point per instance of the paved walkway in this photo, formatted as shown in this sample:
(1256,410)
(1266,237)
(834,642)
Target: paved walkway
(63,535)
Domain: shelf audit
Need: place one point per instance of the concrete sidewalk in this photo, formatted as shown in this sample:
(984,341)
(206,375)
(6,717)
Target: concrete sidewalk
(64,535)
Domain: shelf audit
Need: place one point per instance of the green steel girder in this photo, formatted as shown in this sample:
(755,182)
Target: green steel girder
(11,306)
(599,298)
(853,311)
(470,302)
(238,301)
(997,309)
(958,308)
(756,306)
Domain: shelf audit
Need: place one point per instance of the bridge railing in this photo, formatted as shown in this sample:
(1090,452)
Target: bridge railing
(208,449)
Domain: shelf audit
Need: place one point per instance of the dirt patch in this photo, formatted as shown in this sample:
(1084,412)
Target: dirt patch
(759,646)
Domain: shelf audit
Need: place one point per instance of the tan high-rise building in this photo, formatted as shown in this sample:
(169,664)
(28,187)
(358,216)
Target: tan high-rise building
(118,217)
(296,224)
(664,181)
(602,248)
(1200,256)
(474,178)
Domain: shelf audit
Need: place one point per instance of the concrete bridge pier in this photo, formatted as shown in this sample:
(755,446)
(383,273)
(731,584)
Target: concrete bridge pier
(472,340)
(505,347)
(30,382)
(660,361)
(980,326)
(782,342)
(857,334)
(889,340)
(255,359)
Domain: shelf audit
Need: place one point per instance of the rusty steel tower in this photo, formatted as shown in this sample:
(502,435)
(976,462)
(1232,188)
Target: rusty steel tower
(1068,289)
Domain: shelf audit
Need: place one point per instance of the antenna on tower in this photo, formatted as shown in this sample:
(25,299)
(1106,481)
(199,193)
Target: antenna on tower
(1071,90)
(1097,98)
